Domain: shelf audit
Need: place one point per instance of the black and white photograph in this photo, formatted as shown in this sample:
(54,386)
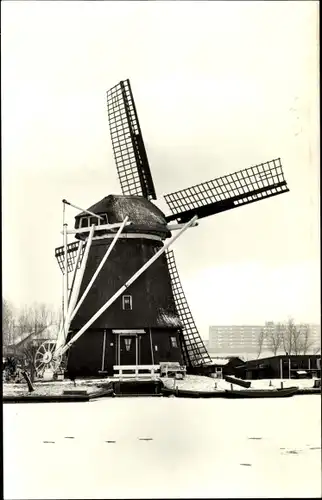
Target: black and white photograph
(160,249)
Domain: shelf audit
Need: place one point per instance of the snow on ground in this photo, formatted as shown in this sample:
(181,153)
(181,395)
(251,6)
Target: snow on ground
(51,388)
(163,447)
(201,383)
(287,382)
(190,382)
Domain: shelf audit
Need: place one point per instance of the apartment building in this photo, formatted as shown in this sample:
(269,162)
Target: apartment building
(243,340)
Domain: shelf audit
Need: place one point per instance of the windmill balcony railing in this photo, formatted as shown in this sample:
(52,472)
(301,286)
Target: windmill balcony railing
(137,372)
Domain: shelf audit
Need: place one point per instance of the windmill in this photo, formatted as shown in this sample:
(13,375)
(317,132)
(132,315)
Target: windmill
(132,308)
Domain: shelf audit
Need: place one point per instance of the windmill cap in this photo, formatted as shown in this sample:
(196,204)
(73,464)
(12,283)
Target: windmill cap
(143,215)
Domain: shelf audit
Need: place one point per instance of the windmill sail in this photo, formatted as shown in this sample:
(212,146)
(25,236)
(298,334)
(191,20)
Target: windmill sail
(195,352)
(71,256)
(128,146)
(231,191)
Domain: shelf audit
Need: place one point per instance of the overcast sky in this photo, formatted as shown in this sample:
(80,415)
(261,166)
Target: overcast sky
(219,86)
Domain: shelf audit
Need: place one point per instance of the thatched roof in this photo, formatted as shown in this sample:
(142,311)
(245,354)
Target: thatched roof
(144,215)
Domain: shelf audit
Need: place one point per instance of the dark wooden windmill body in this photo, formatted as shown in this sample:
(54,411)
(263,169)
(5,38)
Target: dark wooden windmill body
(150,321)
(141,326)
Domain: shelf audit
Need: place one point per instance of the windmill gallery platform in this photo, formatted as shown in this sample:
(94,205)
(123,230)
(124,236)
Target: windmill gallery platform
(123,300)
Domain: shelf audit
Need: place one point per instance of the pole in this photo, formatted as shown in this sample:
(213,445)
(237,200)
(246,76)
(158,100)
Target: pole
(118,340)
(289,367)
(136,350)
(65,324)
(65,272)
(62,303)
(103,353)
(83,210)
(63,280)
(79,250)
(127,284)
(75,289)
(81,274)
(152,353)
(90,284)
(281,368)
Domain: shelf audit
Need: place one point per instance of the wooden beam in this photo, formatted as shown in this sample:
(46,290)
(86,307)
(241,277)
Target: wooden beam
(126,285)
(76,289)
(82,209)
(101,227)
(101,264)
(174,227)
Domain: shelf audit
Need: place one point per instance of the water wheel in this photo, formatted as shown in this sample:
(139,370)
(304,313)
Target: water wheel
(44,358)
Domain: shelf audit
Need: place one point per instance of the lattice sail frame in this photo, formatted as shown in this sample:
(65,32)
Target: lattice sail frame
(72,249)
(195,352)
(227,192)
(128,146)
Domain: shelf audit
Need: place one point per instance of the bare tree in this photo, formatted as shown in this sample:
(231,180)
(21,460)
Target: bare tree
(290,337)
(274,337)
(260,342)
(296,339)
(30,321)
(35,318)
(8,322)
(28,354)
(305,340)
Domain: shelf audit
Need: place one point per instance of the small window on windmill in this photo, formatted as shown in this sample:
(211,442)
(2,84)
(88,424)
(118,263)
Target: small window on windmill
(103,219)
(84,222)
(173,341)
(127,302)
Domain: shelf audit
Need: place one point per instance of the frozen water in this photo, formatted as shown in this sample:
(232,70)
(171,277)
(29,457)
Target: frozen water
(163,447)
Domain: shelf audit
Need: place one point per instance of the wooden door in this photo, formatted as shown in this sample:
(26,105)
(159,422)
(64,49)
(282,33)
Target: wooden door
(128,349)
